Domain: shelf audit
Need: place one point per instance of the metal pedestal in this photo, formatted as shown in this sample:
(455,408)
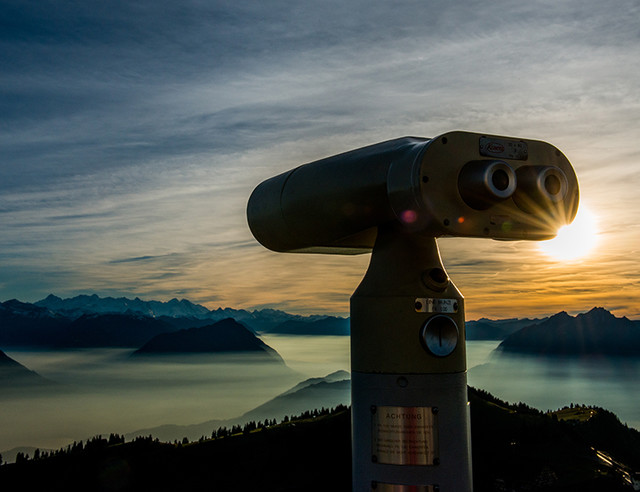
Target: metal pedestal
(410,414)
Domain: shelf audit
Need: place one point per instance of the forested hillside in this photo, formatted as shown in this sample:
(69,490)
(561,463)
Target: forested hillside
(514,448)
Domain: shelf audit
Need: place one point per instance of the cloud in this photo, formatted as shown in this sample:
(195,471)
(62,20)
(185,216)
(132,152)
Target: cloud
(132,134)
(136,259)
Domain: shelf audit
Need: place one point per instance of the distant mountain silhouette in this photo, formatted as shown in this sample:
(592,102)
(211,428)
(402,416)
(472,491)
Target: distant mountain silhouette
(489,329)
(224,336)
(92,321)
(329,325)
(112,330)
(334,377)
(15,376)
(180,313)
(328,391)
(326,394)
(92,304)
(597,332)
(28,325)
(24,324)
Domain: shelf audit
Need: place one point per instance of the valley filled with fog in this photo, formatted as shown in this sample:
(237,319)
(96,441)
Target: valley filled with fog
(103,391)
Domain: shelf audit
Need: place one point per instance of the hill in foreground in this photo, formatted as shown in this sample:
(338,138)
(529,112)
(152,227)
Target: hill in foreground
(514,448)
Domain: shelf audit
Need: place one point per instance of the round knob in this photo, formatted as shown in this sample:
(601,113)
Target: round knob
(440,335)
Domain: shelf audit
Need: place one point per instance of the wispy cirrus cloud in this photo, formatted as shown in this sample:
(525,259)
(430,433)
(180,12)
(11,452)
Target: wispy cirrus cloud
(132,135)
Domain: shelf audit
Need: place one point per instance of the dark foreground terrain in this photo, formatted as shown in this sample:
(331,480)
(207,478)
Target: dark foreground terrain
(515,448)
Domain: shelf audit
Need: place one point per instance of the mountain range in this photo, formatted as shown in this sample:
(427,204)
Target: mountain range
(597,332)
(92,321)
(181,312)
(89,304)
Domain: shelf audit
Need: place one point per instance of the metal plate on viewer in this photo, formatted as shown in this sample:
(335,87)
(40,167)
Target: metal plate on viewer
(502,147)
(405,436)
(394,487)
(436,305)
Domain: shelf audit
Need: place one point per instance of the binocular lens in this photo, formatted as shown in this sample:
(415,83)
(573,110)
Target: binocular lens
(500,179)
(484,183)
(552,184)
(540,187)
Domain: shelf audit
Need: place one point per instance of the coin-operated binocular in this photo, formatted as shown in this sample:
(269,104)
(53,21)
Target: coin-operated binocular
(410,418)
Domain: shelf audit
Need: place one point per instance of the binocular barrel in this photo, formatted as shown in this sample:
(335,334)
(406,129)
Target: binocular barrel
(340,199)
(458,184)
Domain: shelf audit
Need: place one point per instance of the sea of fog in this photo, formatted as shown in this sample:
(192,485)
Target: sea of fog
(105,390)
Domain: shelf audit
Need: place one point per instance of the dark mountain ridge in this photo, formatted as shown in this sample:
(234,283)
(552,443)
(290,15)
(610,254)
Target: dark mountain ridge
(224,336)
(112,330)
(490,329)
(34,326)
(178,312)
(91,304)
(16,377)
(597,332)
(68,323)
(330,325)
(26,324)
(92,321)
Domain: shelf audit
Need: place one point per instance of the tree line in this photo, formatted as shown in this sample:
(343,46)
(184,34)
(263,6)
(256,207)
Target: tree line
(99,442)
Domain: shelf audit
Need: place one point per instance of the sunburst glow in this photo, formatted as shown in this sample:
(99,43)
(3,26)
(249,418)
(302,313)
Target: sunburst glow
(574,241)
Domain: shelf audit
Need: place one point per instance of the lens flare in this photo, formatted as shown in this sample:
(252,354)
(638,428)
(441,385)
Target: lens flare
(409,216)
(574,241)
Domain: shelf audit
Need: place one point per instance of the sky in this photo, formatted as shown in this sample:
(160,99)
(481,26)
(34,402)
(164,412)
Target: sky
(132,134)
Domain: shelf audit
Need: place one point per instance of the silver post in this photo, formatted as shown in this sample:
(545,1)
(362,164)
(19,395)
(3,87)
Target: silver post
(410,419)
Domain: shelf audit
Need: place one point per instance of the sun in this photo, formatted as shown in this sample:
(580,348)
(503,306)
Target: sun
(574,241)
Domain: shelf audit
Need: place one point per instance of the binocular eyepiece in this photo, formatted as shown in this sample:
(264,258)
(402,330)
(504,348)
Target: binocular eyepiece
(457,184)
(484,183)
(540,186)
